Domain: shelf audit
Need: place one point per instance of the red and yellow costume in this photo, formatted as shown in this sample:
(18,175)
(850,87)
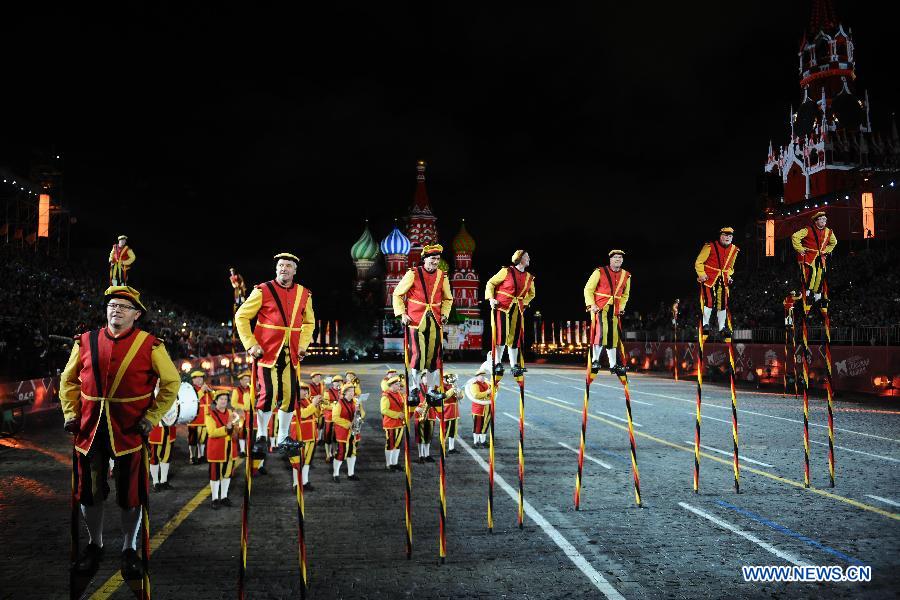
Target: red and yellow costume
(239,287)
(609,290)
(426,298)
(284,326)
(813,245)
(329,400)
(392,407)
(120,260)
(514,290)
(481,410)
(303,430)
(222,449)
(716,261)
(108,386)
(197,433)
(342,415)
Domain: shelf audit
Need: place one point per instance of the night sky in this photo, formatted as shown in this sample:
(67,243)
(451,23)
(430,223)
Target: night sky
(216,136)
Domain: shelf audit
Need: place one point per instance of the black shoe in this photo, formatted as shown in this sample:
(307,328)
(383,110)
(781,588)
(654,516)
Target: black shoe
(518,371)
(165,485)
(421,460)
(242,454)
(131,565)
(823,303)
(354,477)
(225,502)
(434,399)
(498,370)
(618,370)
(215,505)
(705,330)
(453,451)
(193,461)
(289,448)
(262,471)
(336,479)
(726,333)
(429,459)
(260,448)
(388,467)
(595,366)
(414,398)
(89,559)
(397,468)
(308,487)
(157,487)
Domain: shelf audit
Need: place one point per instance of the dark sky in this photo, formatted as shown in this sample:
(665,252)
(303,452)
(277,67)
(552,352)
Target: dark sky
(214,136)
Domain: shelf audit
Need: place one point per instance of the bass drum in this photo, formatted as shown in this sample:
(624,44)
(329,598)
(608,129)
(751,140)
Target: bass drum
(184,410)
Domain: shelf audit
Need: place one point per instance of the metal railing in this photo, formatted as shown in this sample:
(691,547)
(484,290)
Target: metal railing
(864,335)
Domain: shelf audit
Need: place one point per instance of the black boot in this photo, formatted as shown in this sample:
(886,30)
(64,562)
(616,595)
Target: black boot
(618,370)
(705,330)
(595,366)
(289,447)
(131,565)
(726,333)
(260,448)
(498,370)
(89,559)
(518,371)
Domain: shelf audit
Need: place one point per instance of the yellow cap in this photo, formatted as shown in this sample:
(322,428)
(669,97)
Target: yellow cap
(287,256)
(615,251)
(432,250)
(124,292)
(347,386)
(820,213)
(517,256)
(393,379)
(337,378)
(304,386)
(198,373)
(122,237)
(243,374)
(728,230)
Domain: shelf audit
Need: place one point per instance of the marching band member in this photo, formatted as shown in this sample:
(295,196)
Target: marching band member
(316,390)
(392,406)
(221,452)
(388,374)
(332,397)
(424,415)
(303,430)
(345,415)
(197,428)
(350,377)
(480,393)
(451,411)
(240,402)
(161,440)
(605,296)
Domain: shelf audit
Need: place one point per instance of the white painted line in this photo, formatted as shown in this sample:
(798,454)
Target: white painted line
(885,500)
(559,400)
(568,549)
(731,454)
(516,419)
(576,387)
(705,417)
(642,402)
(747,536)
(758,414)
(586,455)
(888,458)
(636,424)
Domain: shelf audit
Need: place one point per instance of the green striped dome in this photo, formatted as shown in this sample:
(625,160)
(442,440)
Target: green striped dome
(365,247)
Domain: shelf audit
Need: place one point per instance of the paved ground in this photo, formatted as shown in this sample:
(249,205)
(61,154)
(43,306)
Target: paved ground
(680,545)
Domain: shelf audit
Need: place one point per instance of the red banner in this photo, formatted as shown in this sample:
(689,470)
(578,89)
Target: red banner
(866,369)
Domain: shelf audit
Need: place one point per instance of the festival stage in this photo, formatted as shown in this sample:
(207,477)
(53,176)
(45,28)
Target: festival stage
(679,545)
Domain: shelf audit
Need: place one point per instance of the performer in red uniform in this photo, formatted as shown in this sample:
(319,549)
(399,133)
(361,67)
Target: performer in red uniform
(450,409)
(316,390)
(240,402)
(303,430)
(121,257)
(161,440)
(238,285)
(422,300)
(813,245)
(331,398)
(220,423)
(480,395)
(285,322)
(605,295)
(392,406)
(509,292)
(715,269)
(344,415)
(197,428)
(106,393)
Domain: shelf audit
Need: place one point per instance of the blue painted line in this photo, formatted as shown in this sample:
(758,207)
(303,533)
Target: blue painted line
(793,534)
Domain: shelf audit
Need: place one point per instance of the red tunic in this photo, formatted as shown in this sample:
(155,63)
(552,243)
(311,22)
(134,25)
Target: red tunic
(483,386)
(202,408)
(814,243)
(333,395)
(345,410)
(451,406)
(303,429)
(281,311)
(515,287)
(719,262)
(418,300)
(110,398)
(396,402)
(219,448)
(156,435)
(606,292)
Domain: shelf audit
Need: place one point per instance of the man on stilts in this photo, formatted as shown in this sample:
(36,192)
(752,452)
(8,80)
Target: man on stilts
(509,292)
(106,393)
(121,257)
(813,245)
(284,326)
(715,267)
(605,296)
(422,300)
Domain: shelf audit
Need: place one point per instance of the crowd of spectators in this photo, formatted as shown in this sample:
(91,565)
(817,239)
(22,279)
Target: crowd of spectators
(44,302)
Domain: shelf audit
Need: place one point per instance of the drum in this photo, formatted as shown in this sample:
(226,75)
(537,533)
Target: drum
(185,407)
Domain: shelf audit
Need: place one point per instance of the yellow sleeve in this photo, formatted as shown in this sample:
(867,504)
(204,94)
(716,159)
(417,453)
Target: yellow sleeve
(624,300)
(384,385)
(797,240)
(590,287)
(111,256)
(493,282)
(244,314)
(447,293)
(169,382)
(338,419)
(309,324)
(400,291)
(127,262)
(235,400)
(362,409)
(212,428)
(731,270)
(486,394)
(386,408)
(70,385)
(530,295)
(310,410)
(832,242)
(701,260)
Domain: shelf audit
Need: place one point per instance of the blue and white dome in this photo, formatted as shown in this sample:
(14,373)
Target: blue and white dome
(395,243)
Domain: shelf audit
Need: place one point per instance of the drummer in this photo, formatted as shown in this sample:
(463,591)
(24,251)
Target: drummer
(222,451)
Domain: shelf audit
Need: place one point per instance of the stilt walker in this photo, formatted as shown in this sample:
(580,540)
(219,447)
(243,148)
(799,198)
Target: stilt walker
(701,340)
(636,476)
(588,379)
(714,267)
(509,292)
(813,245)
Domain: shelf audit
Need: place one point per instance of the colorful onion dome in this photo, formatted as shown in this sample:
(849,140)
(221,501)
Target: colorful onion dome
(395,243)
(365,247)
(463,242)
